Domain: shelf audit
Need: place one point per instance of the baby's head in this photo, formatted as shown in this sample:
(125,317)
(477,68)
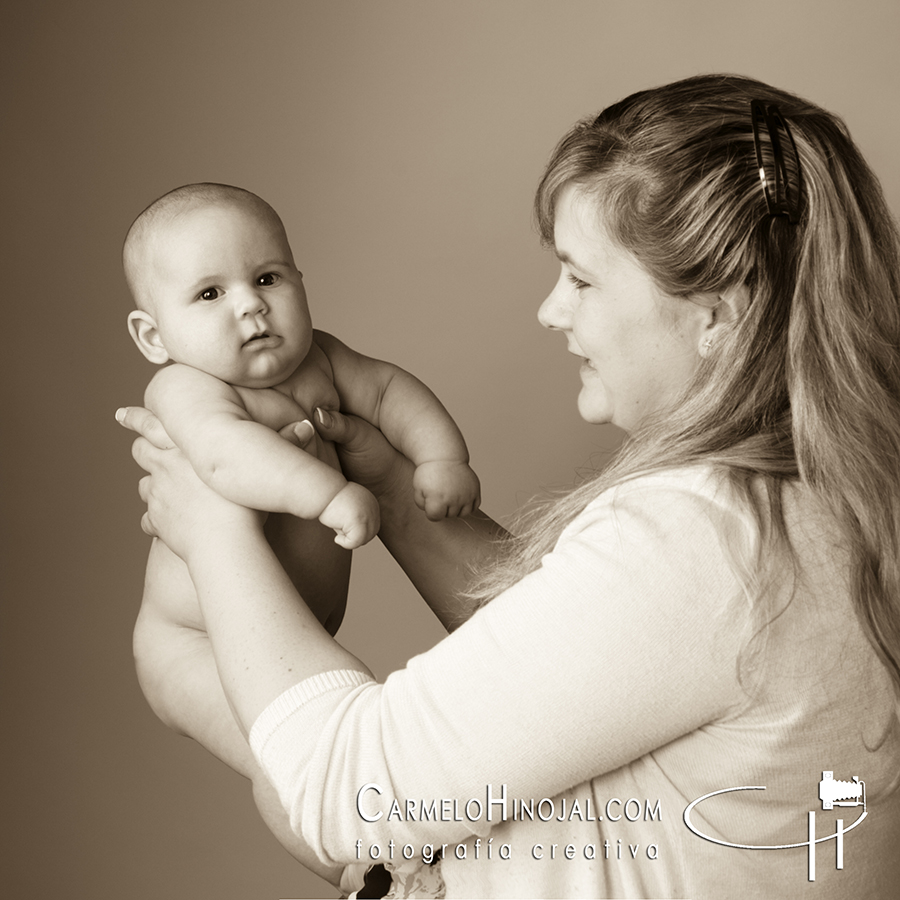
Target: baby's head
(215,285)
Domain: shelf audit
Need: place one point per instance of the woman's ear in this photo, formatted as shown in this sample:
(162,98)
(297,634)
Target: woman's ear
(143,330)
(727,309)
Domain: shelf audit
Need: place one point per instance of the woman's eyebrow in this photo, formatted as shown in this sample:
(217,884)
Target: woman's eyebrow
(564,257)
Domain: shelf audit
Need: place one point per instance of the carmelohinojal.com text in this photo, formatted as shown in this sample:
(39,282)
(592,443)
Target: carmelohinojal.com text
(500,809)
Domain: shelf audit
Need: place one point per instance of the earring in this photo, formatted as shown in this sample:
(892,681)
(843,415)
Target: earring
(706,346)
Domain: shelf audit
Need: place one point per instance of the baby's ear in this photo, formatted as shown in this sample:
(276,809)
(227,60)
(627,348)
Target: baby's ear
(142,328)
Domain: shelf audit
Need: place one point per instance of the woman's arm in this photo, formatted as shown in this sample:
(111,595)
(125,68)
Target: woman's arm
(645,612)
(438,557)
(264,641)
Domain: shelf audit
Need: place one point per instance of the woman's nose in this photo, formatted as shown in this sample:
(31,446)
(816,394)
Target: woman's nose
(555,311)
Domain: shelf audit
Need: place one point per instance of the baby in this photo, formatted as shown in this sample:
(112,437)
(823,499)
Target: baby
(218,295)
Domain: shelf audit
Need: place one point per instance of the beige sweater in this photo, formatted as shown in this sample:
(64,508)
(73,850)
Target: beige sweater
(554,741)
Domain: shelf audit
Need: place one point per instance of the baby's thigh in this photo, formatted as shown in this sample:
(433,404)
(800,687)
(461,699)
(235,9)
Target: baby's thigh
(317,566)
(171,647)
(169,595)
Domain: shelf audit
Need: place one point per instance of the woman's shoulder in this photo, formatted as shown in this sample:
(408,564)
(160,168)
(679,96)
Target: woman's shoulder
(678,496)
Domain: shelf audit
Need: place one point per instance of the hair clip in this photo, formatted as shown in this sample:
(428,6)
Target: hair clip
(780,199)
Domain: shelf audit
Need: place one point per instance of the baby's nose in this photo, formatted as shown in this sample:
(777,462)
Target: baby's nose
(250,302)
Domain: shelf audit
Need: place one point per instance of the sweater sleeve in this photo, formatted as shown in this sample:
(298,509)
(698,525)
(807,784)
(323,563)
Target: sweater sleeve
(624,639)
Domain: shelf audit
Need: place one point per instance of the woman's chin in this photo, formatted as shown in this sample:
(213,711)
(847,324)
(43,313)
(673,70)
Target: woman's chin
(594,409)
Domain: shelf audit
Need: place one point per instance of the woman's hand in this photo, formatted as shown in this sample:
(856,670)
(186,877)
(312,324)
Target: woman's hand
(181,509)
(437,556)
(366,455)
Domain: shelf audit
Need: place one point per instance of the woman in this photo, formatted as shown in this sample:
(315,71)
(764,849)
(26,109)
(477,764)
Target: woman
(718,609)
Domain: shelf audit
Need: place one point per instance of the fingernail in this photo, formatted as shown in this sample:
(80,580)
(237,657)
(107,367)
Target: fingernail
(323,416)
(304,430)
(120,415)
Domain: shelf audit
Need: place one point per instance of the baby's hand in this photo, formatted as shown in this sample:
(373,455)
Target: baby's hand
(353,514)
(446,488)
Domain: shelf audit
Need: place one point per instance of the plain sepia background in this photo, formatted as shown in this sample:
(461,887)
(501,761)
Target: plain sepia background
(401,142)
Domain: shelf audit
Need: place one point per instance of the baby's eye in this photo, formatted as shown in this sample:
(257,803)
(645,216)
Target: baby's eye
(267,280)
(210,294)
(579,284)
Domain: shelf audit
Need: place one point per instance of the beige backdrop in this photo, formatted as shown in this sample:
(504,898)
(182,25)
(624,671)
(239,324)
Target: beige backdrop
(401,142)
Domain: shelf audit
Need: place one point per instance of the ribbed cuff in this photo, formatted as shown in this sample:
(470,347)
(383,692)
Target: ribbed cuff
(287,703)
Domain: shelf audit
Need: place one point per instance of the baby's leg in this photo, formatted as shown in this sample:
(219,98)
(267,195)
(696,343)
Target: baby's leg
(173,655)
(180,680)
(317,566)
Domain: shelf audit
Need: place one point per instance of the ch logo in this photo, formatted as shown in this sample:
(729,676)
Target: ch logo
(831,792)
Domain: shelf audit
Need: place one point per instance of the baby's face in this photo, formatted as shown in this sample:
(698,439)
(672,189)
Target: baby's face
(227,296)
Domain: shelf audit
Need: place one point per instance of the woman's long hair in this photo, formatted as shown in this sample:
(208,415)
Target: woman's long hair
(807,383)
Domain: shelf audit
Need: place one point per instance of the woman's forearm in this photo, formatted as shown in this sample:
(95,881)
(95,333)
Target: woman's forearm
(264,638)
(438,557)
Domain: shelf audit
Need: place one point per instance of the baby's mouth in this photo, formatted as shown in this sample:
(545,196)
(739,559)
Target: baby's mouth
(260,336)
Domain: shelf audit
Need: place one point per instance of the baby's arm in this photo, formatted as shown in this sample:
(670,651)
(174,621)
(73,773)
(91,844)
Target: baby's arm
(249,463)
(413,420)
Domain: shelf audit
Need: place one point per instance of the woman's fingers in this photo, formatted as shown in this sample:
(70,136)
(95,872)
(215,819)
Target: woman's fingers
(333,426)
(298,433)
(145,453)
(144,488)
(365,453)
(141,420)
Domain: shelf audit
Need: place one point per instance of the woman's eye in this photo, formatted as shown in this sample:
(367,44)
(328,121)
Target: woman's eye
(209,294)
(579,284)
(267,280)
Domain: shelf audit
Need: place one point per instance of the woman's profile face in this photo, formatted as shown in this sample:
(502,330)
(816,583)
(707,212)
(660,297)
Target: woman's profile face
(639,346)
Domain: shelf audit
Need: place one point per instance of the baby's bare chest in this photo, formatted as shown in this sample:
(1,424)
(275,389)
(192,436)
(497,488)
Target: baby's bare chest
(295,399)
